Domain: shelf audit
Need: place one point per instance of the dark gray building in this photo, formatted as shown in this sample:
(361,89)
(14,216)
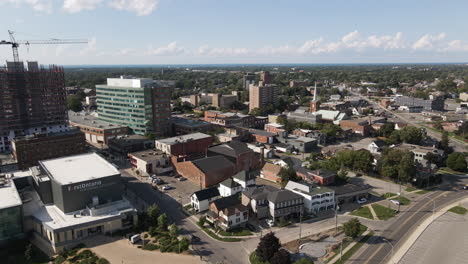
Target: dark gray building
(434,102)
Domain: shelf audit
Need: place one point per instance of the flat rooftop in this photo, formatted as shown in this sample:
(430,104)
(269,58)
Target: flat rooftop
(148,155)
(78,168)
(91,121)
(189,122)
(183,139)
(9,195)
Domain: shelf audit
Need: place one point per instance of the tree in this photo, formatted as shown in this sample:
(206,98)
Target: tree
(411,135)
(153,213)
(432,158)
(162,222)
(463,129)
(74,103)
(444,143)
(281,257)
(352,228)
(456,161)
(287,174)
(406,167)
(202,220)
(387,129)
(267,247)
(173,231)
(28,253)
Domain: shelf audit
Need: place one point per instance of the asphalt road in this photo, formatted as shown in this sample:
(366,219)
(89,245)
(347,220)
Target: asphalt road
(378,250)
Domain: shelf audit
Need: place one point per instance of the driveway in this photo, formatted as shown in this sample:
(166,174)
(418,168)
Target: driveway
(120,250)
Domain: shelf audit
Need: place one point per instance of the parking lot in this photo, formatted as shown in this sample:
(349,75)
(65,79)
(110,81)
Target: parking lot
(181,191)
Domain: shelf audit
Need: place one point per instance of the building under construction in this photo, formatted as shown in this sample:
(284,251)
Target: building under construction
(32,101)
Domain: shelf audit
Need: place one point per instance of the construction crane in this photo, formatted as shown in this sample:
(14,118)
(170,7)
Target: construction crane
(15,44)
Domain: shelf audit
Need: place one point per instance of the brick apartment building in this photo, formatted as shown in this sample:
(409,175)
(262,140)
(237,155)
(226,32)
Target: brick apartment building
(262,94)
(358,126)
(262,136)
(206,171)
(274,128)
(322,177)
(29,150)
(229,119)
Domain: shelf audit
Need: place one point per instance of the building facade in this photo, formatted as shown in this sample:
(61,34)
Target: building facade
(433,103)
(32,100)
(261,95)
(142,104)
(97,131)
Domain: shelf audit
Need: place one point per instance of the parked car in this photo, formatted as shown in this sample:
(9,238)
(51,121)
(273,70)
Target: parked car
(362,200)
(135,238)
(395,202)
(167,187)
(182,179)
(194,238)
(270,222)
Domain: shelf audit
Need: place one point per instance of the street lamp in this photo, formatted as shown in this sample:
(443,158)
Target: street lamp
(388,241)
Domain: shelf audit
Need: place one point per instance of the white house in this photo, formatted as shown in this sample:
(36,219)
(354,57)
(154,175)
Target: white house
(316,199)
(200,200)
(229,187)
(376,146)
(244,178)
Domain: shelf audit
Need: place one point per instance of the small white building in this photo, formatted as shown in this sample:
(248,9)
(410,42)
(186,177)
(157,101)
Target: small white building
(376,146)
(244,178)
(316,199)
(150,162)
(229,187)
(200,200)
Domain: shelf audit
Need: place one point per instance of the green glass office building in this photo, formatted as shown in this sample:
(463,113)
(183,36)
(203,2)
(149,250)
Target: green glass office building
(139,104)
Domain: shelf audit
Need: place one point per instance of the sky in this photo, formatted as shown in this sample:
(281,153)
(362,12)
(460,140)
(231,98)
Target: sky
(238,31)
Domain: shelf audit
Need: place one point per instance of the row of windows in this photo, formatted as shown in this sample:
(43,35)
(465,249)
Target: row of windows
(120,109)
(123,114)
(288,203)
(317,196)
(287,210)
(120,100)
(99,89)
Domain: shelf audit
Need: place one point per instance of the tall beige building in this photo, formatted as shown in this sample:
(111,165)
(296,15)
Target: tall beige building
(261,95)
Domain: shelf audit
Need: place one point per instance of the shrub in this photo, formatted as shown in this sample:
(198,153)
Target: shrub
(102,261)
(150,247)
(59,259)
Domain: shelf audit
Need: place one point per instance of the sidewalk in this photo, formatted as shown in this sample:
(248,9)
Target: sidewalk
(401,250)
(349,247)
(373,212)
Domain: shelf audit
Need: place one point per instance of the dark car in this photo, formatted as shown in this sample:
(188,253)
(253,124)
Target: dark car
(250,227)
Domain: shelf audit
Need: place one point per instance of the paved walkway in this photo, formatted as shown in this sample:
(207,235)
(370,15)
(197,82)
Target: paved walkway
(374,215)
(337,257)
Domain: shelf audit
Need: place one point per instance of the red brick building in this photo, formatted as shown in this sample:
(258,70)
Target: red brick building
(262,136)
(191,145)
(322,177)
(207,171)
(358,126)
(274,128)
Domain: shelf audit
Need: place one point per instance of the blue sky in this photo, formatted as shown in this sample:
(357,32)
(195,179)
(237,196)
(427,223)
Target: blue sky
(242,31)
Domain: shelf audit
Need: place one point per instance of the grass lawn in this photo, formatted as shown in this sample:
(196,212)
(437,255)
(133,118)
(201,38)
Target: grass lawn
(355,248)
(382,212)
(254,259)
(236,232)
(421,192)
(448,170)
(458,210)
(213,235)
(403,200)
(388,195)
(363,212)
(410,189)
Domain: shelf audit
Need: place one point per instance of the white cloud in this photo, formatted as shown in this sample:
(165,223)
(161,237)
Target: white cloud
(171,49)
(140,7)
(456,45)
(427,42)
(44,6)
(205,50)
(75,6)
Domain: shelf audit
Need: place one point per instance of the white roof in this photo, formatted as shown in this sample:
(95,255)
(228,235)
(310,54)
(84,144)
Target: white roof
(274,125)
(78,168)
(184,138)
(9,196)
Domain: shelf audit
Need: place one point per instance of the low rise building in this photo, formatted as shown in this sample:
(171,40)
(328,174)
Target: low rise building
(150,161)
(301,144)
(29,150)
(320,176)
(274,128)
(269,202)
(122,145)
(95,130)
(349,192)
(229,119)
(205,172)
(262,136)
(433,103)
(244,178)
(182,126)
(316,199)
(331,116)
(200,200)
(301,115)
(11,211)
(229,187)
(271,172)
(376,146)
(191,145)
(238,153)
(228,213)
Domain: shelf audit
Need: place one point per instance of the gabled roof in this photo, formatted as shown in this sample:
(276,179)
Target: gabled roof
(206,193)
(225,202)
(259,192)
(379,143)
(230,183)
(244,176)
(231,149)
(213,163)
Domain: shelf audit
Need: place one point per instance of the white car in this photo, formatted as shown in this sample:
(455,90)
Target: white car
(362,200)
(167,187)
(270,222)
(395,202)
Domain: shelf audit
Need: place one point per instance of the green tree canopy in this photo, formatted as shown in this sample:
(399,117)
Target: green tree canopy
(268,246)
(456,161)
(74,103)
(352,228)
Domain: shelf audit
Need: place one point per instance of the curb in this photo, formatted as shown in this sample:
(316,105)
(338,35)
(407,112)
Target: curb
(401,251)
